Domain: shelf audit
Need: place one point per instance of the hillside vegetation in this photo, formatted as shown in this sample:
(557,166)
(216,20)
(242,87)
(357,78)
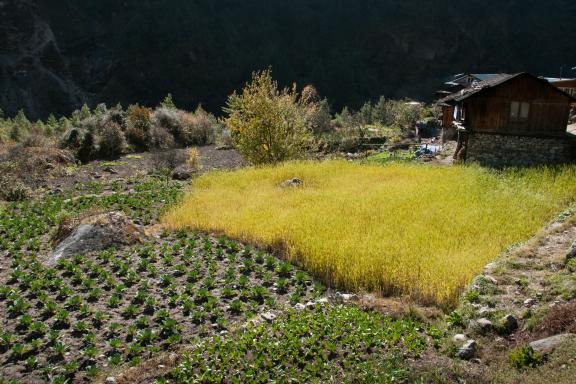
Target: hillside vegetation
(401,229)
(56,55)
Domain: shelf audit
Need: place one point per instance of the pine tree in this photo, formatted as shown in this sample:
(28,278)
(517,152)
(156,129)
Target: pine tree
(20,125)
(85,112)
(168,102)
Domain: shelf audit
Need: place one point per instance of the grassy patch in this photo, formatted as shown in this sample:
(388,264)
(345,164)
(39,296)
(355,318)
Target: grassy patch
(112,163)
(401,229)
(385,157)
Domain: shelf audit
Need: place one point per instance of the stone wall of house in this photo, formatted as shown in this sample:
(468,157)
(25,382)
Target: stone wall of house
(500,150)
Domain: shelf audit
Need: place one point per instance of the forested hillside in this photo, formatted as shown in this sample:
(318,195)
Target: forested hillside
(54,55)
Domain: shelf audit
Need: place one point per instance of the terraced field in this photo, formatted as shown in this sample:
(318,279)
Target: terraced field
(401,229)
(90,314)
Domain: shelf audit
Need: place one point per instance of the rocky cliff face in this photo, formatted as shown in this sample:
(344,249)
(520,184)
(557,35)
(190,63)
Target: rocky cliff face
(54,55)
(33,72)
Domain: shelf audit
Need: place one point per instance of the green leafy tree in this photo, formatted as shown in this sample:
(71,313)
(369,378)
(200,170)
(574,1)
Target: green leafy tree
(268,124)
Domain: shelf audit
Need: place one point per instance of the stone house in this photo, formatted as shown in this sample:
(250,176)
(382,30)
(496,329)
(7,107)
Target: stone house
(510,120)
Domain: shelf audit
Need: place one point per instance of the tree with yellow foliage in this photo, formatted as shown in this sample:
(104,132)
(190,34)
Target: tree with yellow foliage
(267,124)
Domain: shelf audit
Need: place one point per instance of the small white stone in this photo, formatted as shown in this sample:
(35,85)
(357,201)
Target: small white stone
(299,307)
(269,316)
(459,337)
(110,380)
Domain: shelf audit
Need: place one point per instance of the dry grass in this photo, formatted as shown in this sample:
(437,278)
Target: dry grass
(402,229)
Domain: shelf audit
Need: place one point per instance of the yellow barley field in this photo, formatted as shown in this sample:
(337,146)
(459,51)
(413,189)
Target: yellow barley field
(400,229)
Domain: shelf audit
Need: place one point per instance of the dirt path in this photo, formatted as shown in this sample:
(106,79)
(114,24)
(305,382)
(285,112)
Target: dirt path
(135,165)
(532,278)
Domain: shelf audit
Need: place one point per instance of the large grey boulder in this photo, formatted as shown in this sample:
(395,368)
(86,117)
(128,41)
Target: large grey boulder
(182,173)
(468,350)
(549,344)
(510,322)
(93,234)
(571,252)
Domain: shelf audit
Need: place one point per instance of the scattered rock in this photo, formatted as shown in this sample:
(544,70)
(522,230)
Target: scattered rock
(343,297)
(549,344)
(310,304)
(484,324)
(459,338)
(476,361)
(172,358)
(292,183)
(110,380)
(490,279)
(269,316)
(529,302)
(484,311)
(467,351)
(490,266)
(483,282)
(111,170)
(299,307)
(510,322)
(571,252)
(323,300)
(92,234)
(182,174)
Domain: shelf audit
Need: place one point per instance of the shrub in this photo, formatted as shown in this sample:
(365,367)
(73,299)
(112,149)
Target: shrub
(560,319)
(193,160)
(139,126)
(111,141)
(197,128)
(86,149)
(12,189)
(165,161)
(525,357)
(455,319)
(268,125)
(571,265)
(35,140)
(170,120)
(160,138)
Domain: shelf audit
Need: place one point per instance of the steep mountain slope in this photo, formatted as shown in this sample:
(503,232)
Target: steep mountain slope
(56,54)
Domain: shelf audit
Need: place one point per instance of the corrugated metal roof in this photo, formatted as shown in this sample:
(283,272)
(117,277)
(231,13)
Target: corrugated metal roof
(477,87)
(490,83)
(484,76)
(556,79)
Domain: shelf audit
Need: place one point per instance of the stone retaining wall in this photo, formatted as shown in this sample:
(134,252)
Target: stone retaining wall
(501,150)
